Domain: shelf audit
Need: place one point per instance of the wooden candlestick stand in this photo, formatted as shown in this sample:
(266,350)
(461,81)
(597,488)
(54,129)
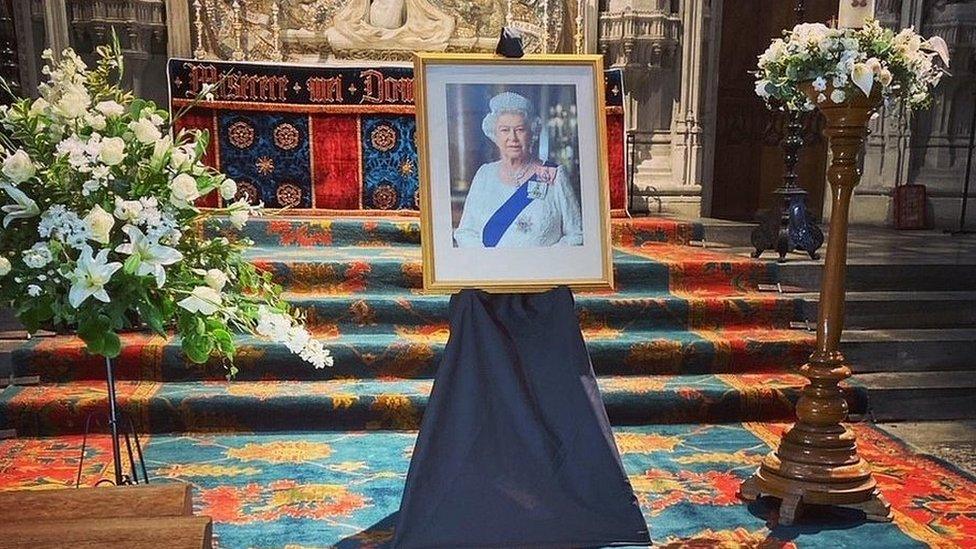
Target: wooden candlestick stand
(817,461)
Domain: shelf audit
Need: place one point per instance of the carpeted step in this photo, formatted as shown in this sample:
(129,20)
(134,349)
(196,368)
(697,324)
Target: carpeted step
(378,403)
(391,269)
(618,310)
(414,352)
(342,488)
(296,231)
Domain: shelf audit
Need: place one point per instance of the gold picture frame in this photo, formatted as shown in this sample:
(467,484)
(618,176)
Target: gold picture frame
(595,249)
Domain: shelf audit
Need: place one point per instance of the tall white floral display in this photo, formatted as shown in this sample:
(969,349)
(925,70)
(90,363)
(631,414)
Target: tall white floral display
(100,232)
(847,74)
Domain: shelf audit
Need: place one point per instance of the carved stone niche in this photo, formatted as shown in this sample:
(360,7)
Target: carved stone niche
(640,34)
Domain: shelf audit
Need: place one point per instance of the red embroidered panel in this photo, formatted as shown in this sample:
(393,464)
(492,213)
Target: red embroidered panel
(336,162)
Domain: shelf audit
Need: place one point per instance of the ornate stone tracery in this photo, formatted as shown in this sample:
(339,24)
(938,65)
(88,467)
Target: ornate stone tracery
(313,30)
(662,46)
(667,49)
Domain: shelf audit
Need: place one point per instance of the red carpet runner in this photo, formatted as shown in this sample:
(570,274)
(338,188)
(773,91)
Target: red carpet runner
(694,364)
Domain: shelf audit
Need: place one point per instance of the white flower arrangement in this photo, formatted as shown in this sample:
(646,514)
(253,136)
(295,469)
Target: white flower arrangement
(841,62)
(100,231)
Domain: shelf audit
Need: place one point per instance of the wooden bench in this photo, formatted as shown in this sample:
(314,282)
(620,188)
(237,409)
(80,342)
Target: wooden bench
(146,516)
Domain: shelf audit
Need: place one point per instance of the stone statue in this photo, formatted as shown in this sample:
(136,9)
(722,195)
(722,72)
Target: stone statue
(403,25)
(386,14)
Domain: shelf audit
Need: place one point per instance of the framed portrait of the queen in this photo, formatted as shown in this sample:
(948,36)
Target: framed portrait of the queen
(513,172)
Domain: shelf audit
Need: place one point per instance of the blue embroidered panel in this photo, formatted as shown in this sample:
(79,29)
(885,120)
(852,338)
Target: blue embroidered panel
(390,178)
(268,155)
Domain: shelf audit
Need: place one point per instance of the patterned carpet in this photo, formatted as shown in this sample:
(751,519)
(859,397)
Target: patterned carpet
(693,362)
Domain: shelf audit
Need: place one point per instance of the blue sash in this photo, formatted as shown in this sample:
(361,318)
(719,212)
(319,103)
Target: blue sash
(504,216)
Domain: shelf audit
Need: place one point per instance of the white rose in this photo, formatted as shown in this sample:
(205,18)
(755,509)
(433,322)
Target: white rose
(112,151)
(74,102)
(4,266)
(181,156)
(100,224)
(837,96)
(127,210)
(145,130)
(96,121)
(239,214)
(183,190)
(885,77)
(216,279)
(18,167)
(38,107)
(228,189)
(110,108)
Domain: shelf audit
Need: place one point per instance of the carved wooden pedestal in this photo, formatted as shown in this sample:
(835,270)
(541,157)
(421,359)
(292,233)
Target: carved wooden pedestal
(816,461)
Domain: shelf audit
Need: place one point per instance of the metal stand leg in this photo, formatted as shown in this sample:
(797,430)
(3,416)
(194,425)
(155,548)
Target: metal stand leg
(114,419)
(791,227)
(969,172)
(113,422)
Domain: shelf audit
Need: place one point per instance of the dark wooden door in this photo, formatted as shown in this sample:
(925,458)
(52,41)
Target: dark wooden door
(748,157)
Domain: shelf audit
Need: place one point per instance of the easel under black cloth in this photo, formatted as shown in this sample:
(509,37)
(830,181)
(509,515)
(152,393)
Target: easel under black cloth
(515,447)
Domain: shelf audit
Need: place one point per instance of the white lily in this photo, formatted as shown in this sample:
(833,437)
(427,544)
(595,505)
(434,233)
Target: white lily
(938,45)
(203,299)
(90,277)
(153,256)
(863,77)
(24,208)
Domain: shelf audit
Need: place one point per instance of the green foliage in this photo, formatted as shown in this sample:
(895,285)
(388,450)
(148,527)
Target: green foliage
(148,261)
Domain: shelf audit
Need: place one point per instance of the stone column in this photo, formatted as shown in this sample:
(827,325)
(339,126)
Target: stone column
(939,135)
(590,10)
(710,104)
(685,188)
(642,38)
(178,28)
(913,148)
(886,148)
(56,26)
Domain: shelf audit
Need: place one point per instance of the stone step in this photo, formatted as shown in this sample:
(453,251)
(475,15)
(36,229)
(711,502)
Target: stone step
(952,441)
(879,276)
(889,309)
(909,350)
(920,396)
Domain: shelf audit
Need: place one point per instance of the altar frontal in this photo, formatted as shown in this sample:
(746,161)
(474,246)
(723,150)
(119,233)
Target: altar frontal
(321,140)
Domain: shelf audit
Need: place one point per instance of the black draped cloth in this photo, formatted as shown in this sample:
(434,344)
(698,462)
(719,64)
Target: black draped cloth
(515,448)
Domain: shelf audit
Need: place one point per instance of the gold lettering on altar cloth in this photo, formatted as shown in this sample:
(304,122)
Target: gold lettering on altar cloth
(380,89)
(235,85)
(324,90)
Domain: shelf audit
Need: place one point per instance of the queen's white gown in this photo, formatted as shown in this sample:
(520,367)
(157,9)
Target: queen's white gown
(552,220)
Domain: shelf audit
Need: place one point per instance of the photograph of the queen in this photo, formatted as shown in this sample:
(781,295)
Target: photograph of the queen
(521,145)
(514,191)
